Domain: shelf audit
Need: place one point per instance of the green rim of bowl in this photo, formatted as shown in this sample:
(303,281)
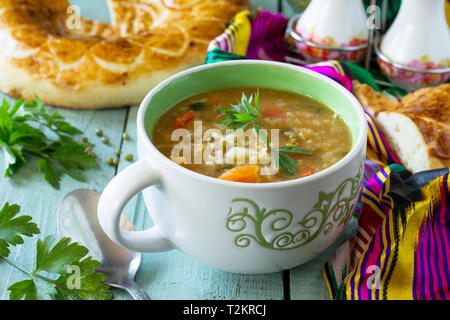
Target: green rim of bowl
(275,76)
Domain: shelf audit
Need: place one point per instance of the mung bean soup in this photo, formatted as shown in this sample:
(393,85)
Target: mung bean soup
(238,134)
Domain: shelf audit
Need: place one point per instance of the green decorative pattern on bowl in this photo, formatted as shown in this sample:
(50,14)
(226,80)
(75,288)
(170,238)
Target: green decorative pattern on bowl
(331,209)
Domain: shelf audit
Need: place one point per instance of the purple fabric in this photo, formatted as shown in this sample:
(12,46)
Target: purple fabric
(266,41)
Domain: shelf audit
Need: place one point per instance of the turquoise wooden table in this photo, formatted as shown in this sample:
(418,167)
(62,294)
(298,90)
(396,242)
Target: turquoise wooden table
(168,275)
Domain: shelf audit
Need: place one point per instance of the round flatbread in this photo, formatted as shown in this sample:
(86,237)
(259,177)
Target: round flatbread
(48,49)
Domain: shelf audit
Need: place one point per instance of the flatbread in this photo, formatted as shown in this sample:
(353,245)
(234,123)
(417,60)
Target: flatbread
(45,48)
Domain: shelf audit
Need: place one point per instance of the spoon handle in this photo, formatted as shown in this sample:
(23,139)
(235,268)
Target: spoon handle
(137,292)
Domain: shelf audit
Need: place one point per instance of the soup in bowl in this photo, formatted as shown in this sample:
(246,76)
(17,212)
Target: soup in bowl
(246,166)
(277,136)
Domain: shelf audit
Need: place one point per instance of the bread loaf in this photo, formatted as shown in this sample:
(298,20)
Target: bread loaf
(417,129)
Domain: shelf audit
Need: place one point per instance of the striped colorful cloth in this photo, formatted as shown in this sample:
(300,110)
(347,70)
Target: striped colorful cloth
(401,249)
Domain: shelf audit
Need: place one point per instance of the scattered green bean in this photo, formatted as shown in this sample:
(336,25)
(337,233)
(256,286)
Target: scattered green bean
(105,140)
(118,151)
(116,162)
(125,136)
(99,132)
(85,140)
(110,161)
(129,157)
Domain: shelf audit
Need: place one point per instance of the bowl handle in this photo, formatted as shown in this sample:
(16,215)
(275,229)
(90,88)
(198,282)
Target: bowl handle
(115,196)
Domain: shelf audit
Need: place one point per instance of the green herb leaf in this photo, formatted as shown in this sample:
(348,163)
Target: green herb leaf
(243,114)
(78,278)
(26,130)
(33,289)
(236,108)
(243,117)
(257,102)
(241,126)
(76,175)
(248,106)
(12,229)
(14,158)
(23,289)
(91,286)
(295,150)
(73,157)
(55,258)
(287,164)
(262,135)
(51,173)
(75,274)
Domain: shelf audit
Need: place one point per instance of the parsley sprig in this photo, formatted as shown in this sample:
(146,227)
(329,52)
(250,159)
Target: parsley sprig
(27,130)
(247,114)
(51,277)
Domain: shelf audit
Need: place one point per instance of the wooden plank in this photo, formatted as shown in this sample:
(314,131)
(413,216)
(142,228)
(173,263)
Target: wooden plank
(39,200)
(173,275)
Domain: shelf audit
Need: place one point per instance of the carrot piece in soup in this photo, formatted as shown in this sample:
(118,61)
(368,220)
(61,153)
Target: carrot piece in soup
(306,173)
(274,113)
(242,174)
(182,121)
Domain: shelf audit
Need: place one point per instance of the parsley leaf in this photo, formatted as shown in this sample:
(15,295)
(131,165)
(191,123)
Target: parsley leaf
(76,274)
(245,114)
(12,229)
(27,130)
(31,290)
(91,283)
(242,113)
(63,271)
(51,174)
(295,150)
(287,163)
(56,257)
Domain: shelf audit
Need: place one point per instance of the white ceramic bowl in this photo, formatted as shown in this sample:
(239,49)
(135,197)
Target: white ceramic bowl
(238,227)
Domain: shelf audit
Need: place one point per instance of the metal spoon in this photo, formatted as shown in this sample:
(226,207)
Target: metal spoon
(77,219)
